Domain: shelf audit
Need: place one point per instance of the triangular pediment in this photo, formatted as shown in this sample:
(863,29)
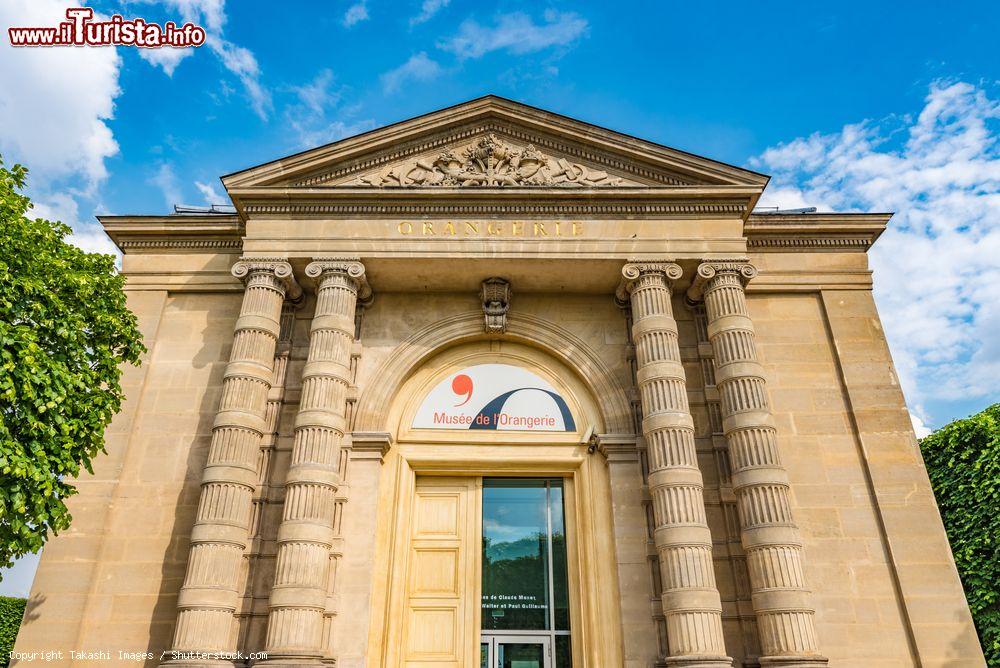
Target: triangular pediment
(492,142)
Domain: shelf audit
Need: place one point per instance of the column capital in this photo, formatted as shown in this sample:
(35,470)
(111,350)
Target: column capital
(633,269)
(740,267)
(347,266)
(278,267)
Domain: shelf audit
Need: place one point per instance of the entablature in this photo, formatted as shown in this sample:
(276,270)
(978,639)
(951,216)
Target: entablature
(408,201)
(814,232)
(176,233)
(559,252)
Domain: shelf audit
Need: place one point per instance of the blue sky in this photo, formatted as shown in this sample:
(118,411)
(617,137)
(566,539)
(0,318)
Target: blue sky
(849,105)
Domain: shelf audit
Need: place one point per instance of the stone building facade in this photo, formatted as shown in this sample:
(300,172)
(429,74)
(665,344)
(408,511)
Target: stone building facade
(493,386)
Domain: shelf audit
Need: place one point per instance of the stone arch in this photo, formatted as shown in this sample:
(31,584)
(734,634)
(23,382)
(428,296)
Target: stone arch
(609,395)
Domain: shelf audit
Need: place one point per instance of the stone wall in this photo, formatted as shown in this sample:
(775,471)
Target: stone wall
(111,580)
(116,572)
(884,583)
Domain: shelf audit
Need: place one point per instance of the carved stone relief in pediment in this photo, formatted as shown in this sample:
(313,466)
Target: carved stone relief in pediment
(488,161)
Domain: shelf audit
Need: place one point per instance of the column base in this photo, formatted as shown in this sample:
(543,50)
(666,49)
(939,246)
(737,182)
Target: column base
(793,661)
(698,661)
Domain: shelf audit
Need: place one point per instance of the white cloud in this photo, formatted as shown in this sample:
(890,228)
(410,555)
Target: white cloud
(64,208)
(212,13)
(94,240)
(54,115)
(240,61)
(318,95)
(166,180)
(211,195)
(919,428)
(89,236)
(516,33)
(788,197)
(356,13)
(418,68)
(937,278)
(56,207)
(428,10)
(332,131)
(310,117)
(56,119)
(243,64)
(165,59)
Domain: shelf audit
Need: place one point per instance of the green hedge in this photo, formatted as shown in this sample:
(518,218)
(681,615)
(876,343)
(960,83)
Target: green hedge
(963,461)
(11,612)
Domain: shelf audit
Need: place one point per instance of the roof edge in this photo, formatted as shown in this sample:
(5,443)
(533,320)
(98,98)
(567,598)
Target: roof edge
(157,234)
(349,148)
(829,232)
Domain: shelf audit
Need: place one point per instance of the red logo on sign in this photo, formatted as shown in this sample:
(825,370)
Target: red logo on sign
(462,385)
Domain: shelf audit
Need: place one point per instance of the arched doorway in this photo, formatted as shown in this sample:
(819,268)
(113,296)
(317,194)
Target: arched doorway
(495,543)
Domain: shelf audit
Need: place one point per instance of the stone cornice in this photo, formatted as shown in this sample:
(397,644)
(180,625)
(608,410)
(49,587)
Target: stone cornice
(216,233)
(180,245)
(810,243)
(814,232)
(594,209)
(220,233)
(513,201)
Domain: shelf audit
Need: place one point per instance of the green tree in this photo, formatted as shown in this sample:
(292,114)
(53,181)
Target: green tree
(65,330)
(963,462)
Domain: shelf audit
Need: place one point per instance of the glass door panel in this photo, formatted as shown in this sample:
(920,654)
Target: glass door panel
(515,555)
(516,651)
(525,597)
(560,581)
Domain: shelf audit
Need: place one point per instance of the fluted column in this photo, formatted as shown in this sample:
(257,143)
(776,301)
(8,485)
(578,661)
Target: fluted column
(209,596)
(785,615)
(690,598)
(299,595)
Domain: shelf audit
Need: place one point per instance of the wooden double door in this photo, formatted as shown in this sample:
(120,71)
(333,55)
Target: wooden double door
(487,574)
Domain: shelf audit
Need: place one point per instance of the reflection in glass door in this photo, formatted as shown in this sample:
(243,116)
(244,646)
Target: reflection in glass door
(525,600)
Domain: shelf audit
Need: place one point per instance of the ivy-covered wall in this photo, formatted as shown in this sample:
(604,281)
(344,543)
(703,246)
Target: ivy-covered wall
(963,461)
(11,612)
